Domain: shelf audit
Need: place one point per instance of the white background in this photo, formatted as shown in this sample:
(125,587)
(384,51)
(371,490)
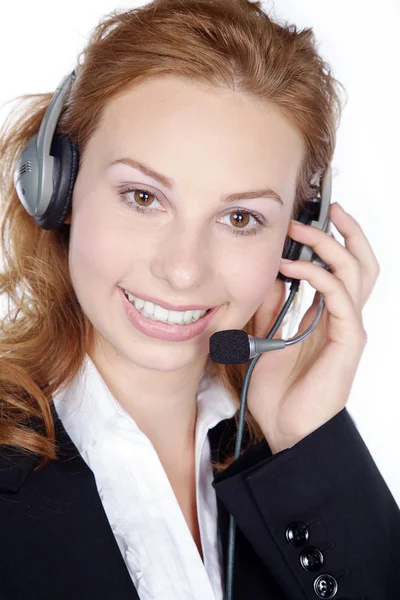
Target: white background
(40,43)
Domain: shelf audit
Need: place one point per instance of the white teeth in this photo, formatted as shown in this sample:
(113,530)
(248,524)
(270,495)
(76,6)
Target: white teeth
(157,313)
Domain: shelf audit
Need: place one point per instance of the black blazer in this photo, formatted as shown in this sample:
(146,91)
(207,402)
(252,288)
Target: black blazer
(324,499)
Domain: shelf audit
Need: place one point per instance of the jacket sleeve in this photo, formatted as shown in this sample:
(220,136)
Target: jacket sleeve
(319,515)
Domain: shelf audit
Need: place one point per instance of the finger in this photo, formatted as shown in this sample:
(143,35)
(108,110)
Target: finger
(345,327)
(340,260)
(357,243)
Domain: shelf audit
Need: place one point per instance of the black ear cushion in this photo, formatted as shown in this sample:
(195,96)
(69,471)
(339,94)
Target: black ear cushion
(291,248)
(65,169)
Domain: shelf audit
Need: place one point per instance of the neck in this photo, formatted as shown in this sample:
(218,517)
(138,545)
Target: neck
(164,408)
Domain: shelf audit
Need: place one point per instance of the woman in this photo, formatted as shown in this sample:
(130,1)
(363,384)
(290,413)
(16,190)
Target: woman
(117,430)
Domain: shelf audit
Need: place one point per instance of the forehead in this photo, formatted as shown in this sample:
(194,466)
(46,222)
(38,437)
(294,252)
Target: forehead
(172,123)
(171,100)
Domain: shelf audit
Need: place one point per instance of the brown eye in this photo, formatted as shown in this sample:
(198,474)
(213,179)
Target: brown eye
(142,197)
(139,199)
(238,219)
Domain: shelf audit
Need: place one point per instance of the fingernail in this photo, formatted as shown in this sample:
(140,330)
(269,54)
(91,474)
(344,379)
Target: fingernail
(340,206)
(297,222)
(286,260)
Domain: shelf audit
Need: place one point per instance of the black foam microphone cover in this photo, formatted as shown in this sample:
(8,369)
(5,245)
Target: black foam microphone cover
(230,347)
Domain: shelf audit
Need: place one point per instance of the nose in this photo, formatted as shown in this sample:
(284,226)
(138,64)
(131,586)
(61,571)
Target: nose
(182,258)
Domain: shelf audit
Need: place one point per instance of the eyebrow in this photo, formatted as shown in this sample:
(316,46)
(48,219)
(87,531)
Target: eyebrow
(169,183)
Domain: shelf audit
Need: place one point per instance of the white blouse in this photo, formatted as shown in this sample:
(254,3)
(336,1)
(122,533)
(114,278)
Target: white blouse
(144,514)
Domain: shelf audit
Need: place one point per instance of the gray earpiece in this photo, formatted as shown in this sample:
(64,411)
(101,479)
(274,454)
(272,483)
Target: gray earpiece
(34,177)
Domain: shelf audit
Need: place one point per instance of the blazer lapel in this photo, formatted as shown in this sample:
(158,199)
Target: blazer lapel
(56,540)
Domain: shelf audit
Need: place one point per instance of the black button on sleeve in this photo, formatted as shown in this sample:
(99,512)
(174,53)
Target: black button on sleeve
(325,586)
(297,534)
(311,559)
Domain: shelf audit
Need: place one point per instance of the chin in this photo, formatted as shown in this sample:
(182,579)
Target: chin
(162,356)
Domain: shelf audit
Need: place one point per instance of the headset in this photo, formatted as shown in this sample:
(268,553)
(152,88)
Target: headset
(44,180)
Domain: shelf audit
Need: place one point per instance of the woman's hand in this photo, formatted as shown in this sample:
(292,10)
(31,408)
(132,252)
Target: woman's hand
(294,391)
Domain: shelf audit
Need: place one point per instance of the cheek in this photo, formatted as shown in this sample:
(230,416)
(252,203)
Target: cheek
(250,277)
(96,250)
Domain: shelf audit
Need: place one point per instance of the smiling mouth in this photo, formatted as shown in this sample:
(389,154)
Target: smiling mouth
(166,321)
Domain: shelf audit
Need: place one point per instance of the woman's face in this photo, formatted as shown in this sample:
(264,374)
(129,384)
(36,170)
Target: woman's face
(210,143)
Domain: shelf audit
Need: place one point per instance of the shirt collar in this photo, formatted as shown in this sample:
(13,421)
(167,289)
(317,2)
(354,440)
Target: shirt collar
(86,405)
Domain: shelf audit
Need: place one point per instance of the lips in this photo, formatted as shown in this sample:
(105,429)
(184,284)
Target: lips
(166,331)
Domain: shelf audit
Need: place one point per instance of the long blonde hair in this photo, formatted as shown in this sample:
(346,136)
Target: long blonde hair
(236,45)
